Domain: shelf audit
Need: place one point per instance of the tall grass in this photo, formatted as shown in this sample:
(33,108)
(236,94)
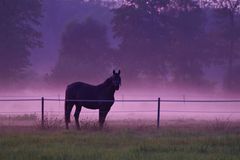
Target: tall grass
(172,142)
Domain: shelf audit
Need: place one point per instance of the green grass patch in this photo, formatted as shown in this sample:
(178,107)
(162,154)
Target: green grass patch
(120,143)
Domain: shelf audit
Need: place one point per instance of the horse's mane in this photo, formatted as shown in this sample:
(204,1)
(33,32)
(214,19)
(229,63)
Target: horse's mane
(107,81)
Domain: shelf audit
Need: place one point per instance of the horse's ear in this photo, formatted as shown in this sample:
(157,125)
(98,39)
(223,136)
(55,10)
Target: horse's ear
(114,71)
(119,72)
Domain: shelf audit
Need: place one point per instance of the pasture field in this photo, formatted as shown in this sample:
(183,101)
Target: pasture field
(175,140)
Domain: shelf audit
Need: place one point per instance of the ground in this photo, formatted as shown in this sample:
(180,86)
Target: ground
(175,140)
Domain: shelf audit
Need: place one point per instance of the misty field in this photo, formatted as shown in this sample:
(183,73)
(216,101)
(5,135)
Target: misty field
(176,140)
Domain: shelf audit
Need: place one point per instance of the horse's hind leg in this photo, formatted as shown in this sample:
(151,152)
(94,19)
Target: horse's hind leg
(68,109)
(76,115)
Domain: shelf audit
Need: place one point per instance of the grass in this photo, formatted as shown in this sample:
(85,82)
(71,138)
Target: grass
(202,141)
(19,117)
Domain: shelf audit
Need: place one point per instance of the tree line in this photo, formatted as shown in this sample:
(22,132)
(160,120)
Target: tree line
(18,37)
(170,42)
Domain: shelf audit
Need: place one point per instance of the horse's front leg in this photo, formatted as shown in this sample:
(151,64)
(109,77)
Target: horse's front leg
(102,116)
(76,115)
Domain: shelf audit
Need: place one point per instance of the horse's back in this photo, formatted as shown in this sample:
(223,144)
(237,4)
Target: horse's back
(80,90)
(79,85)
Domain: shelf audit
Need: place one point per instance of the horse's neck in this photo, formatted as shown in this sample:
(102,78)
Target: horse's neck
(107,88)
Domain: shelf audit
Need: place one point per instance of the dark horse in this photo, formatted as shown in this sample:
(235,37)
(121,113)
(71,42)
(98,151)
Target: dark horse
(87,94)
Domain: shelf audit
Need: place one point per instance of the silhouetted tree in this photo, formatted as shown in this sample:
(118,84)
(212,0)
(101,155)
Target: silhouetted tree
(190,46)
(163,40)
(57,14)
(227,36)
(85,53)
(142,27)
(18,36)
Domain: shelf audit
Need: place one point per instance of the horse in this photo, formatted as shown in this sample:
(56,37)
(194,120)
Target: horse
(92,97)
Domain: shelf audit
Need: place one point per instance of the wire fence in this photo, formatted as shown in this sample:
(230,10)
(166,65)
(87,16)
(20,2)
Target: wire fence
(158,105)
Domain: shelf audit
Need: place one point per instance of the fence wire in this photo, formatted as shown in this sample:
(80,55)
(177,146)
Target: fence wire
(126,100)
(162,101)
(157,106)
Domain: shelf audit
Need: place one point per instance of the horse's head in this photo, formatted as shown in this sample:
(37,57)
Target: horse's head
(116,80)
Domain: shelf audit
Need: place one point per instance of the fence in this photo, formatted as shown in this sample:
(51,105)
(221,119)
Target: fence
(157,101)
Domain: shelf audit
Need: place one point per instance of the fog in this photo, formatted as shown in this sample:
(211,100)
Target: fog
(124,110)
(175,51)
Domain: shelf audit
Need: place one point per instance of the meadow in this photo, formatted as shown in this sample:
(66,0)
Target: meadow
(175,140)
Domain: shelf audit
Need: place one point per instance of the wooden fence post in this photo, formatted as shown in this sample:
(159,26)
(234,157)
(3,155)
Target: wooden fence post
(42,112)
(158,114)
